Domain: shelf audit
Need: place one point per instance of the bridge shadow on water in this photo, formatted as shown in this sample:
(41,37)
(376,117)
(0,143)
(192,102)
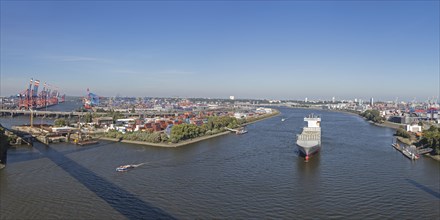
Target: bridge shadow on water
(121,200)
(24,157)
(36,156)
(85,148)
(424,188)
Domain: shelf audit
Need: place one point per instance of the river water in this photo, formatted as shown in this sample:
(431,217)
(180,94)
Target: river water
(357,175)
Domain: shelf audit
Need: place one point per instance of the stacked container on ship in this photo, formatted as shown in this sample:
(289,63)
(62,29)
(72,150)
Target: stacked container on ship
(309,141)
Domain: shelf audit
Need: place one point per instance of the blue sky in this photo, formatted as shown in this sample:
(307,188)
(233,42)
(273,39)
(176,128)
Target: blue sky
(277,50)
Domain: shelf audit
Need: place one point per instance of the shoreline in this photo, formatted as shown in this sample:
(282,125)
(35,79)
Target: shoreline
(385,124)
(395,126)
(434,157)
(186,142)
(276,112)
(171,145)
(388,124)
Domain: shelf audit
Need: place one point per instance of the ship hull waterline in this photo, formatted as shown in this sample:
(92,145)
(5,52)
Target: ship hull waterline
(307,150)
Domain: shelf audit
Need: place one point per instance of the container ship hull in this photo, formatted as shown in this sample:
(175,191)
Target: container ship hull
(308,149)
(309,141)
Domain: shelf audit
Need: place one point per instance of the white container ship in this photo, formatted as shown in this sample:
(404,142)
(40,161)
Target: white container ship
(309,141)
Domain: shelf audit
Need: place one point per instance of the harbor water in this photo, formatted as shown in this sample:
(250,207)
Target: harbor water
(258,175)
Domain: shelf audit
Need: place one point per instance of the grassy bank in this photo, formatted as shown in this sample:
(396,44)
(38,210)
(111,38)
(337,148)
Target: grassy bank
(389,125)
(182,143)
(406,141)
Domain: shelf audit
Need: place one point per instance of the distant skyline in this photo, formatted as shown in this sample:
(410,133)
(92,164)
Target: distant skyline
(285,50)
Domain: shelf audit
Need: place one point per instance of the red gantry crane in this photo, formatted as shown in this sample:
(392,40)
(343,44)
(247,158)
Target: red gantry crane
(31,99)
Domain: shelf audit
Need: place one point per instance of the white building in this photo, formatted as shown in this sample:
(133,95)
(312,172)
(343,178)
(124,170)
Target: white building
(239,115)
(413,128)
(231,97)
(264,110)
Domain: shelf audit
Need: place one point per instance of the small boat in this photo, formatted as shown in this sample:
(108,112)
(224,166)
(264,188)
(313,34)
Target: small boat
(241,132)
(283,119)
(124,168)
(411,155)
(128,167)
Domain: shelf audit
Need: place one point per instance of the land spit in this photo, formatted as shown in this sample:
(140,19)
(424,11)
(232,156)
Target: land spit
(186,142)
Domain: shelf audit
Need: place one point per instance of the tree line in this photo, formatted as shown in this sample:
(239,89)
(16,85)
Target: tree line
(373,115)
(214,125)
(431,138)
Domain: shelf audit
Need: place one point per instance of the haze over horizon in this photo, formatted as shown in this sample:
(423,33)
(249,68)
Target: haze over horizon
(262,50)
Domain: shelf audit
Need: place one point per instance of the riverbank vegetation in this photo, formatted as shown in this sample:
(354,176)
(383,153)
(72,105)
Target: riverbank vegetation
(431,138)
(373,115)
(152,137)
(60,122)
(180,132)
(404,136)
(402,133)
(214,125)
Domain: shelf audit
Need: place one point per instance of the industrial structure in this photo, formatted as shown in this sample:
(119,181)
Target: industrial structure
(32,99)
(91,100)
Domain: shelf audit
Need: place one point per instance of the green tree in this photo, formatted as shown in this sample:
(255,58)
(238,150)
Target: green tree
(402,133)
(115,115)
(373,115)
(163,137)
(185,131)
(431,138)
(88,117)
(60,122)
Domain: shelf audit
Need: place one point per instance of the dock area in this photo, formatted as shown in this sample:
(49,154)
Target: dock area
(87,142)
(240,130)
(408,151)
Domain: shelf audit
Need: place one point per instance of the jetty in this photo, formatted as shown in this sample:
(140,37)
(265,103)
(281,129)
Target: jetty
(241,130)
(86,142)
(424,150)
(408,151)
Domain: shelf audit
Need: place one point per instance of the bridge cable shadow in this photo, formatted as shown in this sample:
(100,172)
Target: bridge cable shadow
(35,156)
(424,188)
(121,200)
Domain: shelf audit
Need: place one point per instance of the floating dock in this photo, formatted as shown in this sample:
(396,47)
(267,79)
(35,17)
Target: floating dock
(85,143)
